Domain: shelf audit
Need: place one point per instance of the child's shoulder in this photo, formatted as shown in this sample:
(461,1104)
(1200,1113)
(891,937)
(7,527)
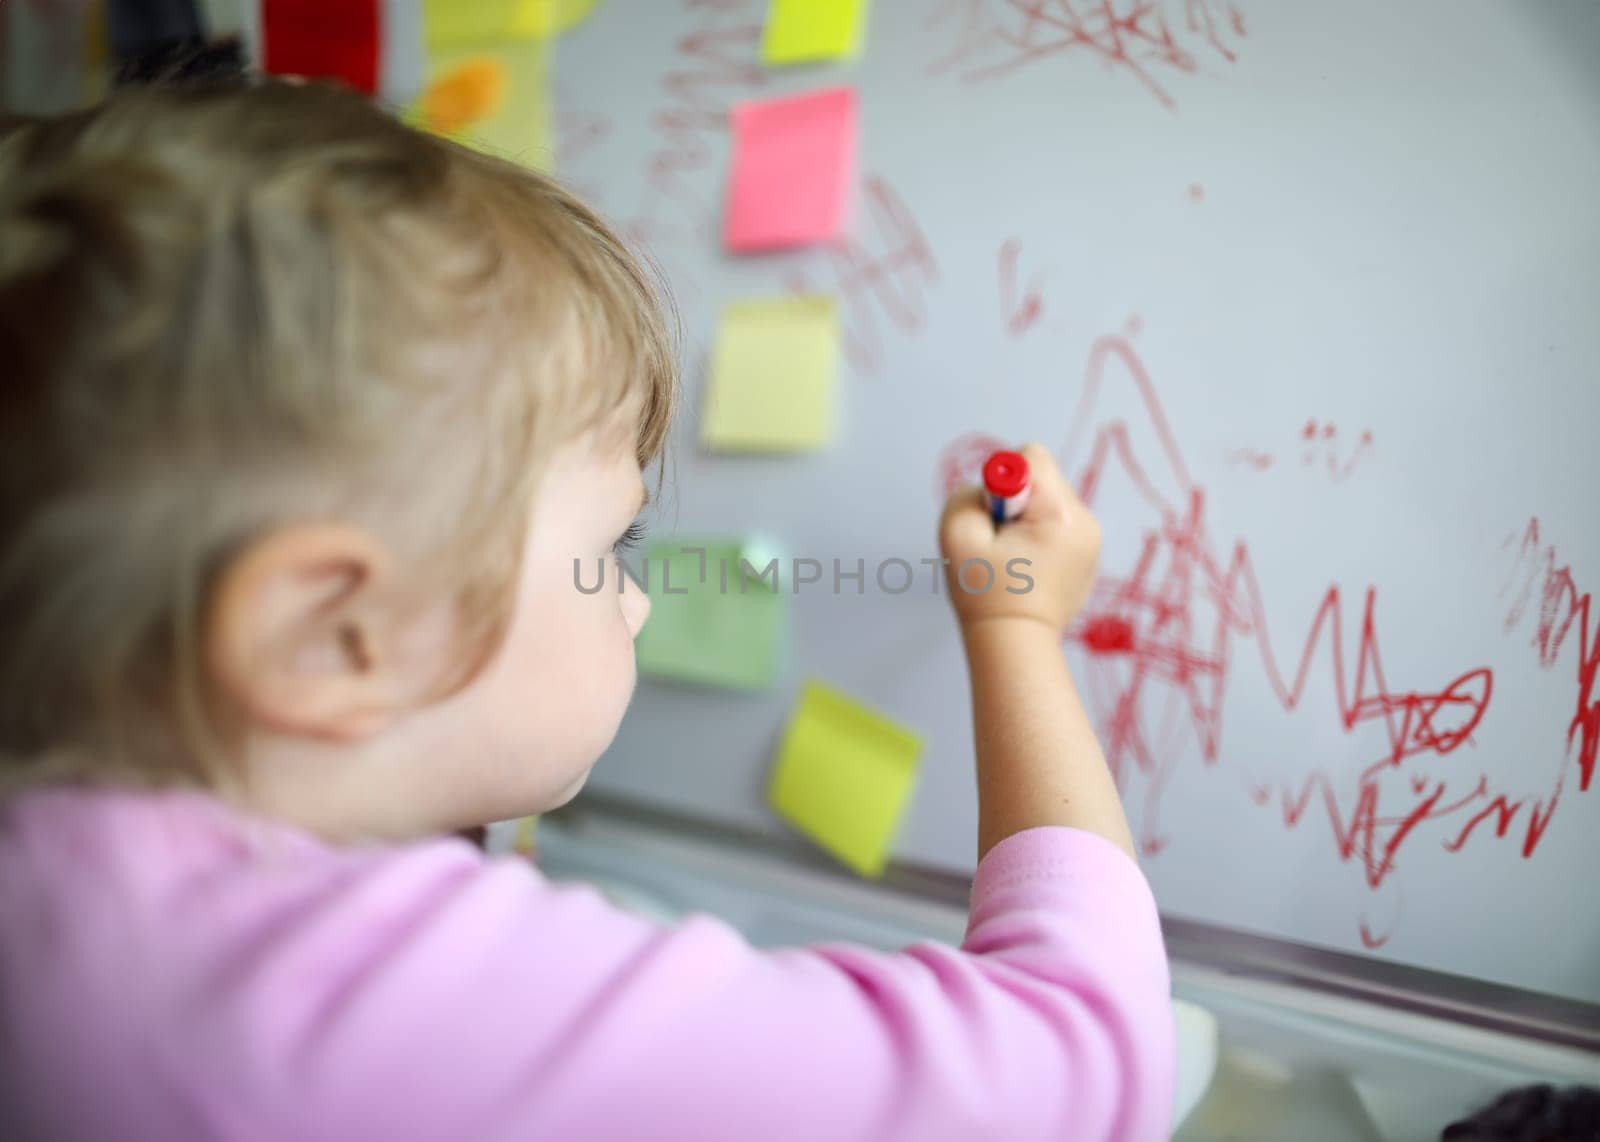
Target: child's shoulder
(162,938)
(135,842)
(147,883)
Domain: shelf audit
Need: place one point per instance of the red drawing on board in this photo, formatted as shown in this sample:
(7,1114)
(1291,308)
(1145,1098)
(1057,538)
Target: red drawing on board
(1560,612)
(881,275)
(962,460)
(1019,310)
(1141,37)
(1323,447)
(718,65)
(1164,635)
(579,136)
(1260,461)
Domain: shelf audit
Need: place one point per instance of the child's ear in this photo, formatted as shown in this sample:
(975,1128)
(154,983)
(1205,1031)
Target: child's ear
(297,633)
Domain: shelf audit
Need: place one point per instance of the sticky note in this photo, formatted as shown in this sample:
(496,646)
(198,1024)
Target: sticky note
(773,375)
(493,97)
(315,39)
(800,31)
(447,22)
(843,776)
(711,624)
(465,95)
(794,163)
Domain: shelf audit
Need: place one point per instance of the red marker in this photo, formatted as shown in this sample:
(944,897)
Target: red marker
(1005,479)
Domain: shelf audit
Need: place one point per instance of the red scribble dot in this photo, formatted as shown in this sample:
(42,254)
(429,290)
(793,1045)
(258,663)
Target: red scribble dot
(1107,634)
(1197,193)
(1328,430)
(1310,430)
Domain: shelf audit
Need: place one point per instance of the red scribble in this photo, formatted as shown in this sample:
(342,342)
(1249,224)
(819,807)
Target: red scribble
(1260,461)
(578,133)
(1187,605)
(1322,443)
(881,274)
(1197,193)
(1161,639)
(997,37)
(961,462)
(1020,313)
(578,136)
(1373,938)
(1536,575)
(720,64)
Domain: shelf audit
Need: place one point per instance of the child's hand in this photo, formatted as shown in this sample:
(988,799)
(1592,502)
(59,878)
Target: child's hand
(1055,543)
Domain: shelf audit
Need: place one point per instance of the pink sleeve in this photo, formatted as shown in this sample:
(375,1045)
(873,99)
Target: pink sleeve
(491,1003)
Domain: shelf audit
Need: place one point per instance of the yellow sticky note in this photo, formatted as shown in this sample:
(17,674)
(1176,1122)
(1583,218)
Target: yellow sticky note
(455,22)
(843,776)
(799,31)
(773,376)
(492,96)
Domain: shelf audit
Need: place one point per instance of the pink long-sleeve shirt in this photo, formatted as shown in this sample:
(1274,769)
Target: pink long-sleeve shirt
(170,969)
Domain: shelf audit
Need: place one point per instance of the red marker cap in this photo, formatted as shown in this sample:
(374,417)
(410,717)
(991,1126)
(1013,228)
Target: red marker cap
(1005,474)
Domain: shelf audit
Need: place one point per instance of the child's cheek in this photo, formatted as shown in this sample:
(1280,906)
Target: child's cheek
(611,647)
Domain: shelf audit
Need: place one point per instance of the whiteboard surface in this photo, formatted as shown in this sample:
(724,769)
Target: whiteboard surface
(1306,296)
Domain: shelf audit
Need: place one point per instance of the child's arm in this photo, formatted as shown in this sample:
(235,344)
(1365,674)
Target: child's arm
(426,993)
(1038,760)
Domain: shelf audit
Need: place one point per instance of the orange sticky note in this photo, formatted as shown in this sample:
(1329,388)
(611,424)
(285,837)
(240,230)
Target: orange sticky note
(465,95)
(794,162)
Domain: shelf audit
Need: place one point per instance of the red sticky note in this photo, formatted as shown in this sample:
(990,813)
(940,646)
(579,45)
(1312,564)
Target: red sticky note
(337,39)
(794,162)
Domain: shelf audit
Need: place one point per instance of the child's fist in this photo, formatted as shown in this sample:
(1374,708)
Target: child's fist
(1038,566)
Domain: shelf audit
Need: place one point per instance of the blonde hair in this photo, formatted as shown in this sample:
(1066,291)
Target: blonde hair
(227,307)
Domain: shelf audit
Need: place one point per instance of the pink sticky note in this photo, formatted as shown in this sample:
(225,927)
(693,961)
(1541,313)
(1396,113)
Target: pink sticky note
(794,161)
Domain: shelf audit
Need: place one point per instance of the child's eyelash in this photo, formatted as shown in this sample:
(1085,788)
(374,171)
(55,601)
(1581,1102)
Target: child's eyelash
(630,538)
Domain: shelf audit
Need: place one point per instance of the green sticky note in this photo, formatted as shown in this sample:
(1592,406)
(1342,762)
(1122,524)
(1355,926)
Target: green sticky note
(773,376)
(843,776)
(799,31)
(710,623)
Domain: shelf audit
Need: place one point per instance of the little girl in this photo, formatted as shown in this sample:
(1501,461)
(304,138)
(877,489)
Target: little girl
(306,417)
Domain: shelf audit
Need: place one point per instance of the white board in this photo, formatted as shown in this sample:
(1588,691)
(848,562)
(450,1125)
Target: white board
(1306,297)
